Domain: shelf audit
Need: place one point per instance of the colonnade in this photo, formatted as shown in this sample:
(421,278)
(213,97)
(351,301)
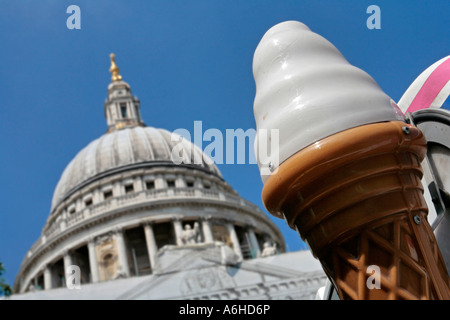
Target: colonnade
(178,225)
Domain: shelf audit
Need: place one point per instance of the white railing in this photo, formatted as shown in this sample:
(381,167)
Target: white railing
(54,229)
(100,207)
(76,217)
(140,197)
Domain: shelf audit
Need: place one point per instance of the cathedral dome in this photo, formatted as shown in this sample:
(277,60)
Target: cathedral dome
(133,197)
(122,149)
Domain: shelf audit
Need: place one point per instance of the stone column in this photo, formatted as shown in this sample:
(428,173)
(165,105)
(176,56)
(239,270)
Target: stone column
(234,239)
(179,181)
(117,189)
(159,182)
(78,205)
(139,184)
(93,263)
(122,253)
(152,248)
(254,245)
(47,278)
(62,223)
(67,262)
(198,187)
(96,196)
(131,110)
(178,230)
(118,112)
(207,231)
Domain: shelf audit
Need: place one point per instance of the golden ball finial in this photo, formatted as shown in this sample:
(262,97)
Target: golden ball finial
(114,69)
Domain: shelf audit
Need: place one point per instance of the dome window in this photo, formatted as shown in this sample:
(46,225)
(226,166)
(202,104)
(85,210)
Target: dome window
(190,183)
(129,188)
(171,183)
(123,110)
(88,202)
(150,185)
(107,194)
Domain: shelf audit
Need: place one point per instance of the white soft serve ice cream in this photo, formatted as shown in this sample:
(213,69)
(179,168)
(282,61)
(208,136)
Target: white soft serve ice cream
(307,90)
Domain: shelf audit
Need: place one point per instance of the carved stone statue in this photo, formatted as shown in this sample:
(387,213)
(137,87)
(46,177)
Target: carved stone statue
(269,249)
(191,235)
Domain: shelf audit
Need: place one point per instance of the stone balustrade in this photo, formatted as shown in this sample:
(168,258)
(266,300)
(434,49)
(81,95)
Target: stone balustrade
(144,196)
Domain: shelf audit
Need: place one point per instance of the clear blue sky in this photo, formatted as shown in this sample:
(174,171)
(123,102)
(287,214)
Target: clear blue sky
(185,60)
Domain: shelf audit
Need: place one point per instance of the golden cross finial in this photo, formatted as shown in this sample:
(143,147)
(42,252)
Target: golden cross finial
(114,69)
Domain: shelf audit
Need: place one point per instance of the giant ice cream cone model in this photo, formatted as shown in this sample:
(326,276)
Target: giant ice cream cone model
(346,173)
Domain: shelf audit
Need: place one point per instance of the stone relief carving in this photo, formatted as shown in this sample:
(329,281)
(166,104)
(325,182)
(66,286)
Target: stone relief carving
(105,238)
(206,280)
(107,257)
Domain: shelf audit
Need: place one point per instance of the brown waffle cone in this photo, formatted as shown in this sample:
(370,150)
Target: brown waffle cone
(356,198)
